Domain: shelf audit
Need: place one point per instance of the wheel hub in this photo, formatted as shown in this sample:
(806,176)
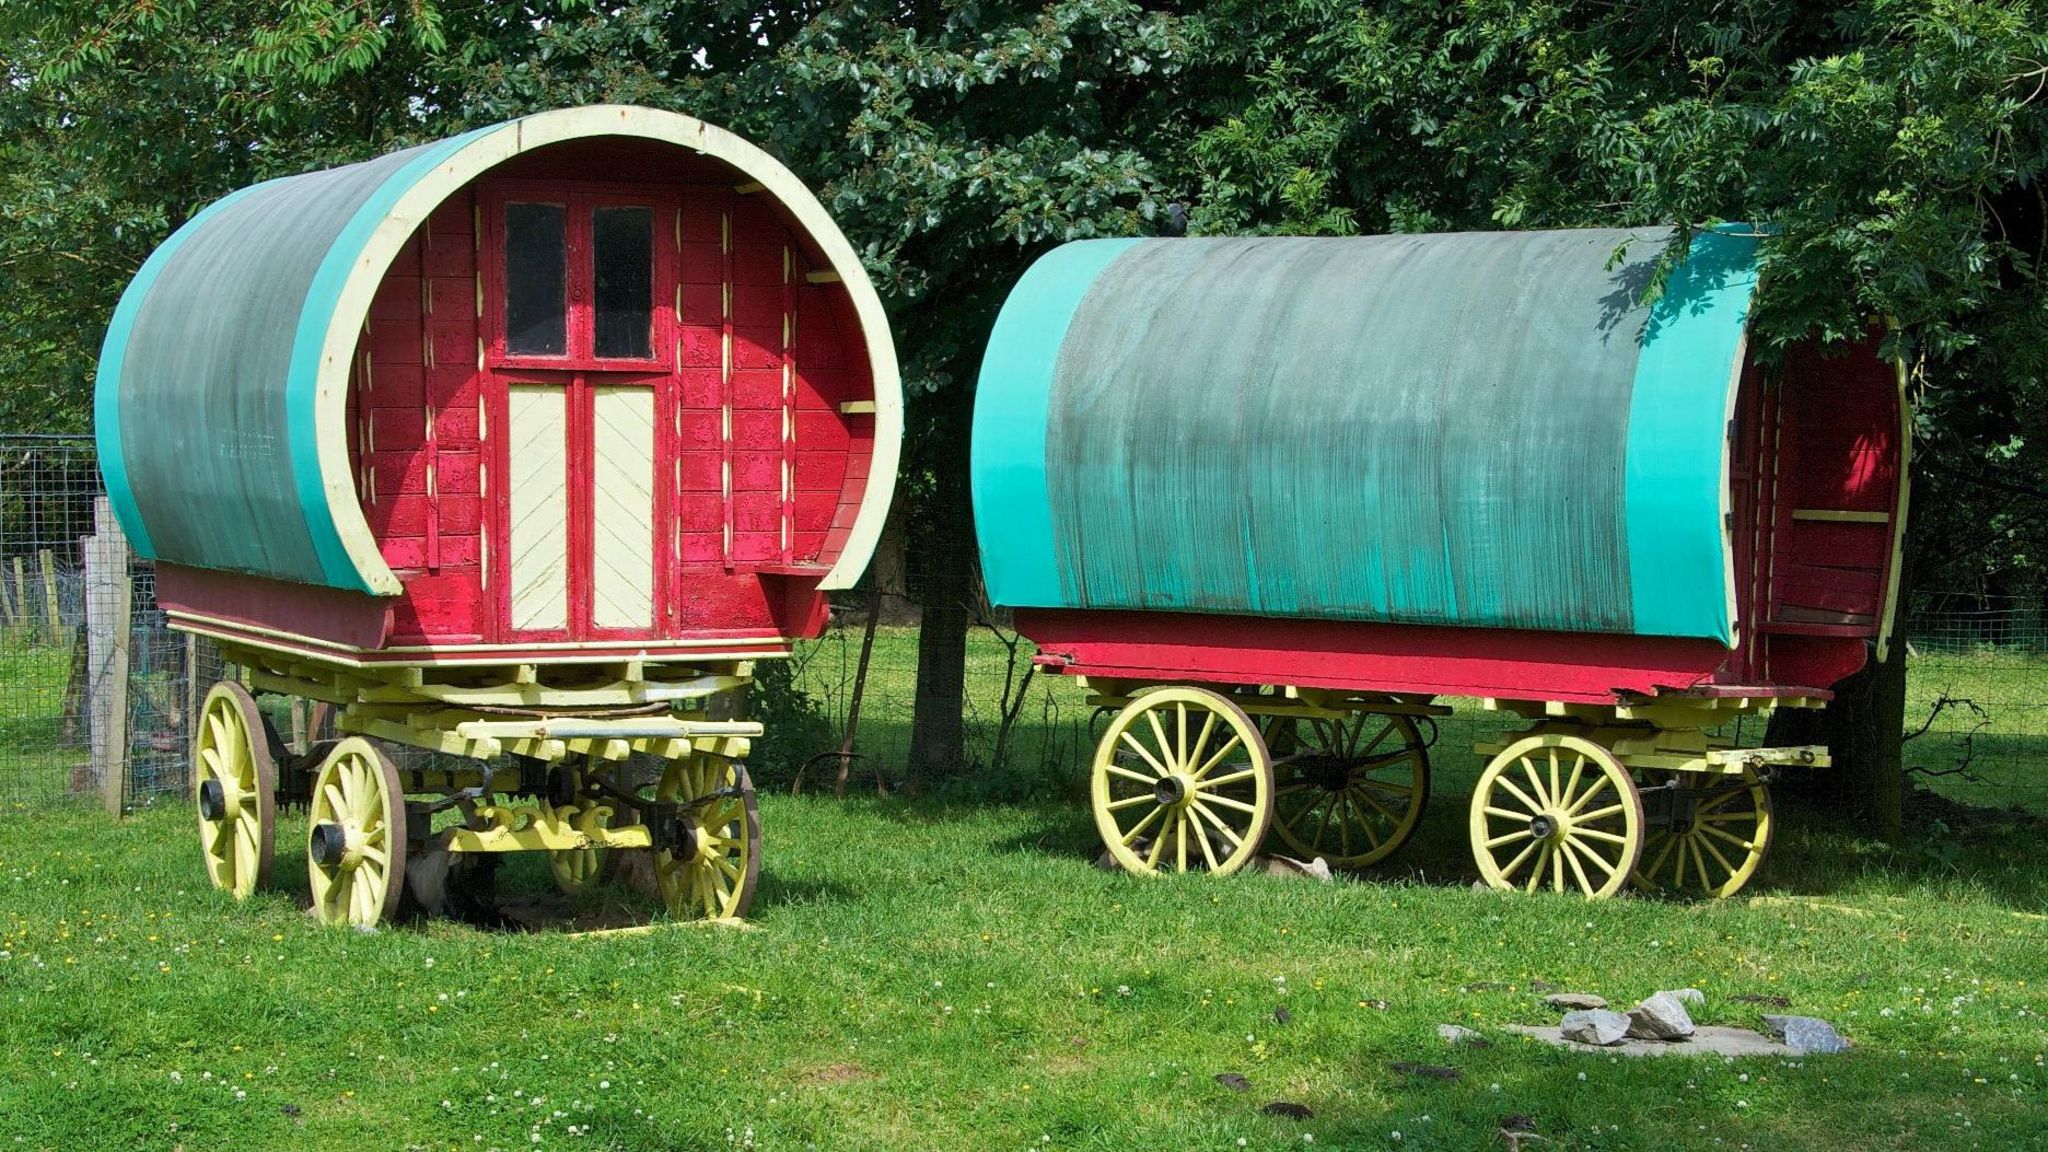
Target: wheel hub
(1172,790)
(1325,771)
(686,840)
(213,801)
(1543,826)
(328,845)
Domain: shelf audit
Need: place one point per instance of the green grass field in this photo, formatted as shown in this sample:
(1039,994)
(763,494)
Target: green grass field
(930,977)
(924,974)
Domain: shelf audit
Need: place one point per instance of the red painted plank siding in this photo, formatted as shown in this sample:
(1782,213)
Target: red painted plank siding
(754,445)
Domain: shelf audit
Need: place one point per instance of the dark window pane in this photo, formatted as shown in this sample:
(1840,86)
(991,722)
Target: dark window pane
(622,251)
(536,267)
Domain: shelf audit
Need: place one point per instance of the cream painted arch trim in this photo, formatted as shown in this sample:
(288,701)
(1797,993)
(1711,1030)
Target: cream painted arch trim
(494,147)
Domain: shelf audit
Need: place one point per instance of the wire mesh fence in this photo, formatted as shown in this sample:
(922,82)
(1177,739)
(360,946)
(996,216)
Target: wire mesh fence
(94,686)
(1976,714)
(1977,698)
(95,691)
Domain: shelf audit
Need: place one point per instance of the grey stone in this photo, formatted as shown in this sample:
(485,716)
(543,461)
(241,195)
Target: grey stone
(1660,1017)
(1574,1001)
(1316,869)
(1706,1040)
(1807,1034)
(1595,1026)
(1459,1034)
(1689,995)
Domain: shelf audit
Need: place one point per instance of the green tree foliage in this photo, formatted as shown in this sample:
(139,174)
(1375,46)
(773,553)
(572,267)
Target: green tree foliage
(1893,148)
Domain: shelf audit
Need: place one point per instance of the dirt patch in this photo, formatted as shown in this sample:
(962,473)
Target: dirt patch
(830,1074)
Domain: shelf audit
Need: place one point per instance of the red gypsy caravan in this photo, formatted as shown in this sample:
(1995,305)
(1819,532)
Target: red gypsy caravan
(1278,497)
(520,447)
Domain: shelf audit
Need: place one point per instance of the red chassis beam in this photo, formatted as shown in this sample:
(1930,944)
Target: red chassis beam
(1573,667)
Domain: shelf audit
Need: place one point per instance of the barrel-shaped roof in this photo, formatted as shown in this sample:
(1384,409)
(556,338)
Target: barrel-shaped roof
(221,403)
(1481,429)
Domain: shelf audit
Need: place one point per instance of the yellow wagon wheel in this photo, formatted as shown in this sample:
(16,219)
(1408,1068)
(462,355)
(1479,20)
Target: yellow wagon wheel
(1715,837)
(355,839)
(1557,812)
(1350,790)
(1182,782)
(575,869)
(234,784)
(715,863)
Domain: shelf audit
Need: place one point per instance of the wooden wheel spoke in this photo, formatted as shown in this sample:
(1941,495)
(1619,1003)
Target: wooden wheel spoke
(1147,781)
(1360,796)
(1599,834)
(1229,802)
(1508,838)
(1663,854)
(1714,801)
(1388,730)
(1509,786)
(1507,814)
(1158,847)
(1217,757)
(1726,868)
(1571,856)
(1131,802)
(1202,841)
(1571,784)
(1202,740)
(1390,787)
(1165,746)
(1180,841)
(1138,829)
(1600,784)
(1231,778)
(1508,870)
(1585,851)
(1126,737)
(1602,814)
(1366,824)
(1292,823)
(1542,860)
(1739,842)
(1202,808)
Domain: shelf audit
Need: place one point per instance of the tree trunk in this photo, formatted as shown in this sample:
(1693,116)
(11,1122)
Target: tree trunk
(1862,728)
(943,562)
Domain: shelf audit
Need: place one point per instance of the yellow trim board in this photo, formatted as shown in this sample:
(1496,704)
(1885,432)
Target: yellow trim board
(1839,516)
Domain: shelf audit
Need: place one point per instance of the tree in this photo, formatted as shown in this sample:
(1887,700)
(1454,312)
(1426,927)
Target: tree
(952,142)
(1893,148)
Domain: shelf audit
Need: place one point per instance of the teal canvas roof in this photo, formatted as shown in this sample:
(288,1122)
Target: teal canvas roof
(1477,429)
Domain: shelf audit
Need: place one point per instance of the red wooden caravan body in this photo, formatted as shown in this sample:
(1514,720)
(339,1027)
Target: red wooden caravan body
(669,456)
(518,447)
(1278,498)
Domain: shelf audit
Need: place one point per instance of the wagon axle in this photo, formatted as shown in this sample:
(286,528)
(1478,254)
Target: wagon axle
(212,801)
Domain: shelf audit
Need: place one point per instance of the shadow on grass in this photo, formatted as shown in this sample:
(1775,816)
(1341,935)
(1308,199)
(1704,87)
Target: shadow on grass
(1817,851)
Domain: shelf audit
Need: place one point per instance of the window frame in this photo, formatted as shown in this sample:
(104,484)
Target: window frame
(580,200)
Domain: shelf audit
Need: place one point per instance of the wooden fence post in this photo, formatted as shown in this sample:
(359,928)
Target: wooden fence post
(53,611)
(109,603)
